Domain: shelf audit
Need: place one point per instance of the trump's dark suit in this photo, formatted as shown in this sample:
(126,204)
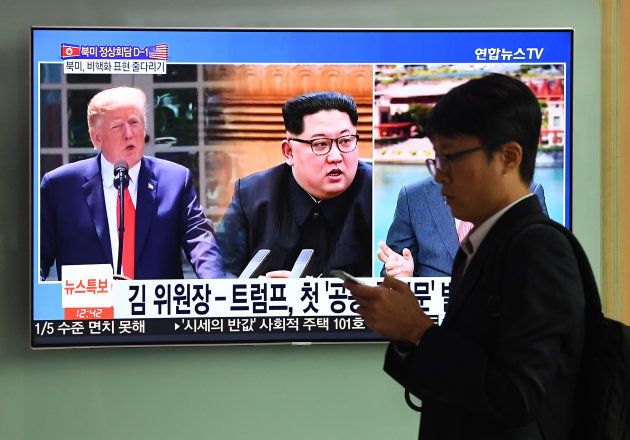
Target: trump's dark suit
(259,217)
(503,369)
(423,223)
(74,227)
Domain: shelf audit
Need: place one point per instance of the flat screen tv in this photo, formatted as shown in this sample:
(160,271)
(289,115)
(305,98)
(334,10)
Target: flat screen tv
(230,242)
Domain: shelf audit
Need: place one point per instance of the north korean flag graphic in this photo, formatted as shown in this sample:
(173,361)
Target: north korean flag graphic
(70,51)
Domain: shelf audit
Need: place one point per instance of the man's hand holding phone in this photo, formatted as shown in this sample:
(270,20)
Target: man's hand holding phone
(391,310)
(345,276)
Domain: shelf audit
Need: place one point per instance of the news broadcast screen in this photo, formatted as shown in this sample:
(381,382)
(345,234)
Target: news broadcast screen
(202,186)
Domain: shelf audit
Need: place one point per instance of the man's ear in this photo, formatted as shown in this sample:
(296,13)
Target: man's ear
(287,151)
(512,155)
(96,140)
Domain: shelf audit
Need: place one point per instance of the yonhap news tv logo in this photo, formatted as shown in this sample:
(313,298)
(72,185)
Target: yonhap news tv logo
(113,52)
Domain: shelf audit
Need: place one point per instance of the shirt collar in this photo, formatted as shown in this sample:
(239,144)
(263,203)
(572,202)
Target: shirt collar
(107,173)
(300,202)
(473,240)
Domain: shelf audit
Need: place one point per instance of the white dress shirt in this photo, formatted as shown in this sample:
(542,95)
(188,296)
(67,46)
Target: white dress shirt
(473,240)
(111,198)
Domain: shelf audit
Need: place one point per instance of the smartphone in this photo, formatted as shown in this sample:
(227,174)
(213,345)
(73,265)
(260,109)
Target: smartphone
(345,276)
(301,264)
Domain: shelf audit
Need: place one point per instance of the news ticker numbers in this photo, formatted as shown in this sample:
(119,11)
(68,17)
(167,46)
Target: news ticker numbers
(200,326)
(245,328)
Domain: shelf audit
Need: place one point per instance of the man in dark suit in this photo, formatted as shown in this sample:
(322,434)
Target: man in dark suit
(162,211)
(423,238)
(504,362)
(320,198)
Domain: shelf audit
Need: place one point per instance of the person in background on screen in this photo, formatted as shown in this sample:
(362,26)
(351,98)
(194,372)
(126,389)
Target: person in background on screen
(504,362)
(320,198)
(424,236)
(162,212)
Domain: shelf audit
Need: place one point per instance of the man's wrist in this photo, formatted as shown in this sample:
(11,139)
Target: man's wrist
(418,332)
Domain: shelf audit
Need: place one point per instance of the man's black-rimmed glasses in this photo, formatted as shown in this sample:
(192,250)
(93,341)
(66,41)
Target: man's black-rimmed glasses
(321,146)
(442,162)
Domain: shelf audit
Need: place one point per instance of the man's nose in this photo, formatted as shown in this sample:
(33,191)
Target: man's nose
(334,155)
(128,133)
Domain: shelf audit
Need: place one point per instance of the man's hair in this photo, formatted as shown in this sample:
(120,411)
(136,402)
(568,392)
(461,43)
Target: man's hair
(108,99)
(296,108)
(496,109)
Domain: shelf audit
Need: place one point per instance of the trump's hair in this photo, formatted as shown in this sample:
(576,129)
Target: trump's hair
(109,99)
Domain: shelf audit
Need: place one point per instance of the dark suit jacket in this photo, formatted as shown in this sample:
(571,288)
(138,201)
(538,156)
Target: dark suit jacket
(423,223)
(259,218)
(74,227)
(511,376)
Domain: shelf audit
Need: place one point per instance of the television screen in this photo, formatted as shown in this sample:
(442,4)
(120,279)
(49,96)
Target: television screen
(198,186)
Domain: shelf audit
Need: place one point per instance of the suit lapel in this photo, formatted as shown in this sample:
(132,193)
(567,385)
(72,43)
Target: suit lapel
(95,199)
(145,209)
(476,268)
(467,282)
(440,212)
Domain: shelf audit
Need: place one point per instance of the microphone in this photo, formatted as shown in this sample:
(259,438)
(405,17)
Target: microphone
(121,181)
(121,174)
(256,265)
(301,264)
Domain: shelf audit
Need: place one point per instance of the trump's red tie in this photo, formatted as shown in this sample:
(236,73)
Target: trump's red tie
(129,238)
